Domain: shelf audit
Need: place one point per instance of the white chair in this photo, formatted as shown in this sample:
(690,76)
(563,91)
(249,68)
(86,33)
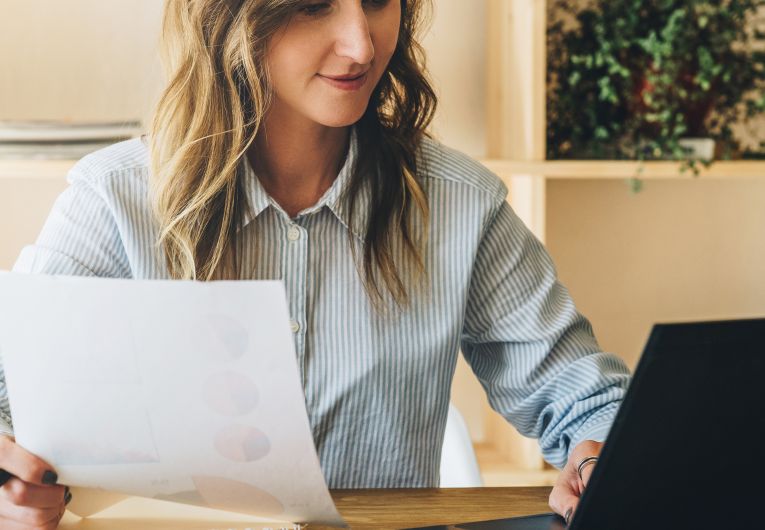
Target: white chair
(459,467)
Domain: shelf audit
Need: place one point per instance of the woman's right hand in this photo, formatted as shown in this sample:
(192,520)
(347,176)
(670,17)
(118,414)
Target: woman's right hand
(30,499)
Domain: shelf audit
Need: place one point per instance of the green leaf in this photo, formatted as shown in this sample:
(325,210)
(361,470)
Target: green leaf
(601,133)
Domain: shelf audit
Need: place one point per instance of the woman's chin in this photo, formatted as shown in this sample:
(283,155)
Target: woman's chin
(340,121)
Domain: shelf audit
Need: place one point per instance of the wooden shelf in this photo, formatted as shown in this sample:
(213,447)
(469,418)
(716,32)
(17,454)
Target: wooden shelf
(623,169)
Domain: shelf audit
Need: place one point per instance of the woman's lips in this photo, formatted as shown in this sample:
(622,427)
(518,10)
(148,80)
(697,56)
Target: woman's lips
(346,84)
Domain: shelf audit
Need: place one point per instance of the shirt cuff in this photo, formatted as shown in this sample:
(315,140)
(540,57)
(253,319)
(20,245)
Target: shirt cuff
(596,427)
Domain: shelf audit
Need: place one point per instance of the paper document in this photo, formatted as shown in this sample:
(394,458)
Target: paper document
(173,390)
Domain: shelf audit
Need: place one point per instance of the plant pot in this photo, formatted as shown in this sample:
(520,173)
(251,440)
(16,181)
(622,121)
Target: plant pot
(698,148)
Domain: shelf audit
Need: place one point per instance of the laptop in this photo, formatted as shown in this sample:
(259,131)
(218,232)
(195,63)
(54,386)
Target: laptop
(687,447)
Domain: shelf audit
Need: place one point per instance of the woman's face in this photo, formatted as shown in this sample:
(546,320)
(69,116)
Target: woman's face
(331,38)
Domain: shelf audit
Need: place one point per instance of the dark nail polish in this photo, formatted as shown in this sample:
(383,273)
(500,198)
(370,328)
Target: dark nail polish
(49,477)
(568,515)
(67,497)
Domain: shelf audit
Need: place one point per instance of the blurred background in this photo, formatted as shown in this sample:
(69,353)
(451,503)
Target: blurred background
(596,115)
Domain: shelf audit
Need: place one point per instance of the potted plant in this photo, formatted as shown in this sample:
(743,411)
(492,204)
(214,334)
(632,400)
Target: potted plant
(653,79)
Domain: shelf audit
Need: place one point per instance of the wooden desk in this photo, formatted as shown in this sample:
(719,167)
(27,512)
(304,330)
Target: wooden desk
(371,510)
(378,509)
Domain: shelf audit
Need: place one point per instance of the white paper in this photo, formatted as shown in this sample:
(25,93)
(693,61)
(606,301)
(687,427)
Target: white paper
(174,390)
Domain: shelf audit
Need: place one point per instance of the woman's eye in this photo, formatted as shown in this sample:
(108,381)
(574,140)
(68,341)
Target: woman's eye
(313,9)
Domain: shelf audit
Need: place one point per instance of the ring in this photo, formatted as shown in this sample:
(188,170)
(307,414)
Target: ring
(584,462)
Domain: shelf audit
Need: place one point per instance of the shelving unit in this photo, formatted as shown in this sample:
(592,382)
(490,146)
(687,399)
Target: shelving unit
(617,169)
(516,117)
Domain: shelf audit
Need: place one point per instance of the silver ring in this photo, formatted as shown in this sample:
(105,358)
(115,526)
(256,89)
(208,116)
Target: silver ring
(584,462)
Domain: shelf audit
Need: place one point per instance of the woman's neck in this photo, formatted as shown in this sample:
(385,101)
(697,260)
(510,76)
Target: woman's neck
(295,163)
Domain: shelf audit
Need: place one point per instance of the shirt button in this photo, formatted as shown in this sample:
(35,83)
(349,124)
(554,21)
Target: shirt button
(293,234)
(294,326)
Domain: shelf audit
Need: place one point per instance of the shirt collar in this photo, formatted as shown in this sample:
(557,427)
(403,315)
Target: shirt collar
(332,198)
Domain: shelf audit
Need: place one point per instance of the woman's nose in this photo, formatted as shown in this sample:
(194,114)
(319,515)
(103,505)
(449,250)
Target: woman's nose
(353,37)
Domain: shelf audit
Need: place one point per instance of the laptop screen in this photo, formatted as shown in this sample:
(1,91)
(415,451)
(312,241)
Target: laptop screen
(686,446)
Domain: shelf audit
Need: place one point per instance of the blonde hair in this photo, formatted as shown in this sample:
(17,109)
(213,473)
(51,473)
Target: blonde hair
(209,114)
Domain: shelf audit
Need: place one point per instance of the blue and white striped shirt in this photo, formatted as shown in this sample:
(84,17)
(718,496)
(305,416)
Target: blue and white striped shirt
(376,389)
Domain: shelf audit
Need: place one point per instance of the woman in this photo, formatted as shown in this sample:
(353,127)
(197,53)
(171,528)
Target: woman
(395,250)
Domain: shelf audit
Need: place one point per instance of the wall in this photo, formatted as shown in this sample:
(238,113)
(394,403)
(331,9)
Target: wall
(676,251)
(78,59)
(24,204)
(456,48)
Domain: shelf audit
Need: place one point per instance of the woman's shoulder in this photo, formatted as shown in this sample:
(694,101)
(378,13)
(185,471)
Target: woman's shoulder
(126,160)
(444,164)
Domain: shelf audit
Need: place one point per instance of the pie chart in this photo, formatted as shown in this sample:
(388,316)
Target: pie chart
(242,443)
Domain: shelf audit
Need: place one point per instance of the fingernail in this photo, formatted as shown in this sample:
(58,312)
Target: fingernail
(49,477)
(568,515)
(68,496)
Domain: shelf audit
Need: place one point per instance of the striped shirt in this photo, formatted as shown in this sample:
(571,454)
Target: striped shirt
(376,387)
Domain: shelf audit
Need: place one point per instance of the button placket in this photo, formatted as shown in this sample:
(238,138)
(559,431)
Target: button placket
(295,278)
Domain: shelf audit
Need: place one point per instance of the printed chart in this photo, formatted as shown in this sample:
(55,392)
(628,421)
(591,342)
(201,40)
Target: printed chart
(178,391)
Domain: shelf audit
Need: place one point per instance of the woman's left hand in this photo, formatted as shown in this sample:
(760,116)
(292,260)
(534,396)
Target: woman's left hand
(569,487)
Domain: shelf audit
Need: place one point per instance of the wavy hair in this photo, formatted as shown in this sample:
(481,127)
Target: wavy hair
(218,92)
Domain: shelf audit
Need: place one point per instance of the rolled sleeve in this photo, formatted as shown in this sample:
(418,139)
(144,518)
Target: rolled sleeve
(532,351)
